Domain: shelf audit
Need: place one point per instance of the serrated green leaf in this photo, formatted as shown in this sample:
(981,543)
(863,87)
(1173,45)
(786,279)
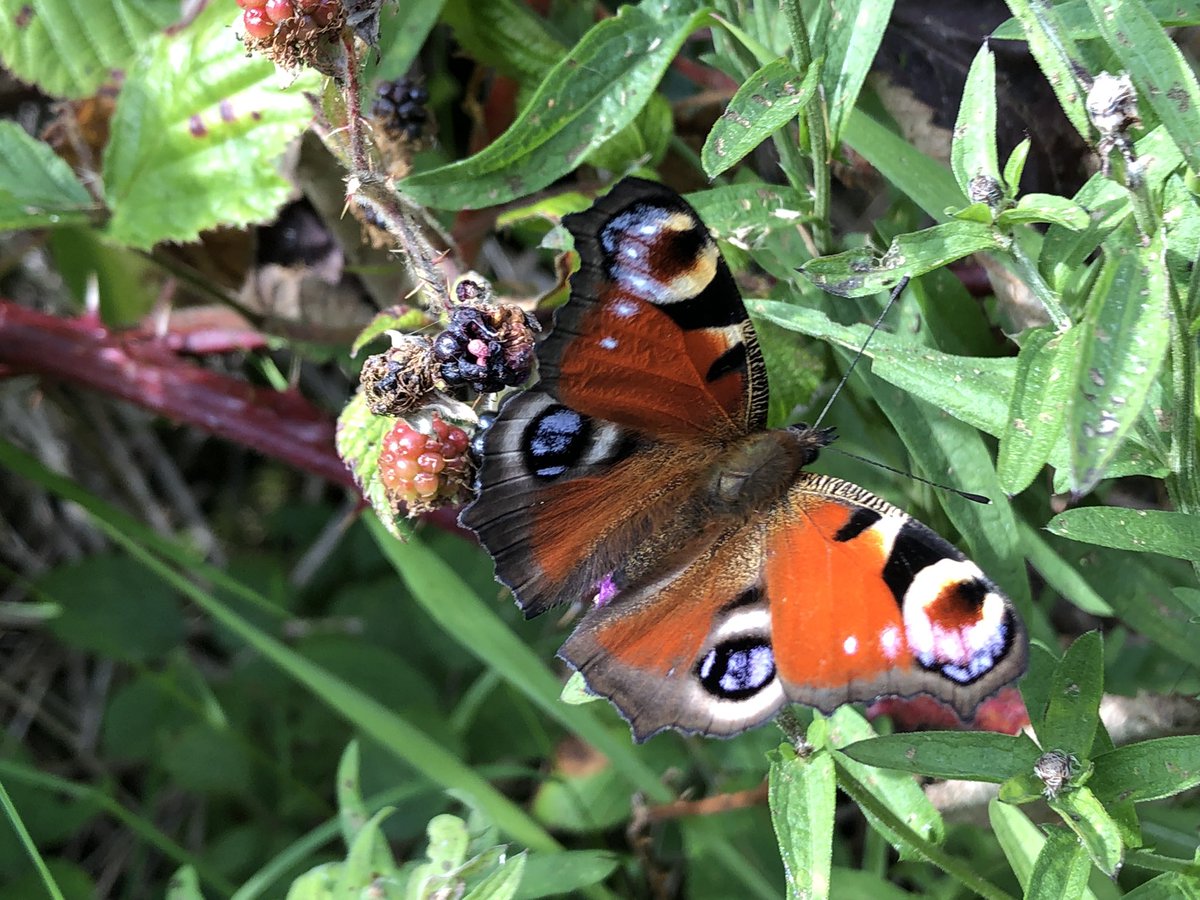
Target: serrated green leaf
(37,188)
(973,146)
(196,135)
(359,440)
(554,874)
(69,51)
(1049,208)
(1037,407)
(1061,869)
(768,100)
(859,273)
(1087,817)
(394,318)
(849,44)
(1164,79)
(1056,54)
(898,791)
(1144,530)
(801,793)
(1147,770)
(1079,23)
(594,92)
(1127,330)
(1073,710)
(970,755)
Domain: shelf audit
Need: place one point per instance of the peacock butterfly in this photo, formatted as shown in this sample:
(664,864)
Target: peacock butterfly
(723,579)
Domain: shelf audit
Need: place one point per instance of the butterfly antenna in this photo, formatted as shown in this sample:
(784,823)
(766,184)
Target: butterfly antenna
(896,291)
(966,495)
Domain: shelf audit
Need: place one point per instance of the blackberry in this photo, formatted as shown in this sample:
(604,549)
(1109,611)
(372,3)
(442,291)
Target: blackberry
(488,346)
(399,109)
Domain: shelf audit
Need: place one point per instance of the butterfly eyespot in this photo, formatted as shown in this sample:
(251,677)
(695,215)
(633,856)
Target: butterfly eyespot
(737,669)
(556,440)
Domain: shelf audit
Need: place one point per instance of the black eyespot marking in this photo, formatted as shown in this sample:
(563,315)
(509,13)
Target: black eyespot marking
(737,669)
(860,520)
(555,440)
(731,360)
(915,548)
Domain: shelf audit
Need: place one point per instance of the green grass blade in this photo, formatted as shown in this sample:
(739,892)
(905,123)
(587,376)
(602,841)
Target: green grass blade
(35,855)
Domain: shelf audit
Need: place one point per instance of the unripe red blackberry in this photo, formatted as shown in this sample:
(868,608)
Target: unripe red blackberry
(279,10)
(423,471)
(257,24)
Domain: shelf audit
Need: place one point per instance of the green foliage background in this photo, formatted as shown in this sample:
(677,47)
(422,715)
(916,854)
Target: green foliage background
(442,706)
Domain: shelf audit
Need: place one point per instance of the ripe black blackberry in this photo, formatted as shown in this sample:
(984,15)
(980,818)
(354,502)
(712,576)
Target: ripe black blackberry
(488,346)
(399,108)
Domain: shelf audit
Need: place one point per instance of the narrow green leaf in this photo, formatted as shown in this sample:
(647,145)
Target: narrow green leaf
(353,816)
(1073,710)
(1148,770)
(1163,77)
(801,794)
(53,44)
(1049,208)
(448,841)
(1144,530)
(1170,886)
(1061,869)
(554,874)
(1056,54)
(1127,330)
(973,389)
(768,100)
(970,755)
(37,188)
(403,28)
(927,182)
(897,791)
(1086,816)
(859,273)
(369,858)
(1078,22)
(1038,405)
(30,848)
(184,885)
(776,208)
(1060,574)
(1019,838)
(1015,167)
(503,883)
(594,92)
(465,617)
(973,147)
(850,42)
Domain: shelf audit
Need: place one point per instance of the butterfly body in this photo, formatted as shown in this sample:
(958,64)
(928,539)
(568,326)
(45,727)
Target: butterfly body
(724,579)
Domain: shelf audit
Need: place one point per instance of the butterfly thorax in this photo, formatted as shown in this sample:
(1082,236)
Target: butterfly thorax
(757,471)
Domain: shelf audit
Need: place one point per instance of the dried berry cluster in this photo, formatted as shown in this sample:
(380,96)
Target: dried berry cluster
(399,380)
(486,345)
(399,109)
(291,31)
(423,471)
